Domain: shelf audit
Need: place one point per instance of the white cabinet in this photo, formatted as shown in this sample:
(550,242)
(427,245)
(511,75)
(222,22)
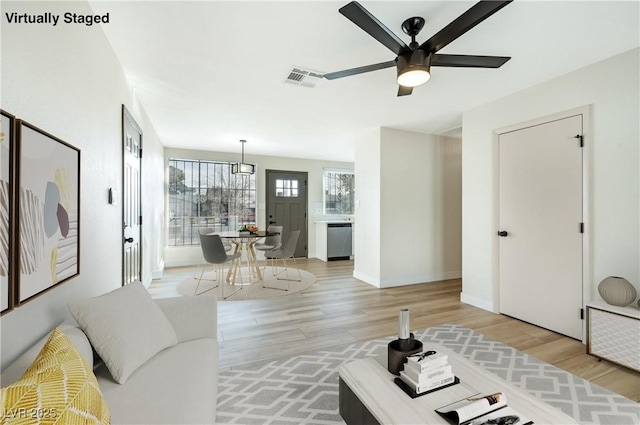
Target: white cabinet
(613,333)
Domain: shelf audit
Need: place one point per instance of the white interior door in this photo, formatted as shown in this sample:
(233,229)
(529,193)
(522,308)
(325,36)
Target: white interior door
(131,200)
(541,213)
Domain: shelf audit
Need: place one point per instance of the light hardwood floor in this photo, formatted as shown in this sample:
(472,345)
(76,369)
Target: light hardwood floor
(341,309)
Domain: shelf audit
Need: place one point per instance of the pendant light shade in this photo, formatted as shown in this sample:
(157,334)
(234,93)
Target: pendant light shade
(242,167)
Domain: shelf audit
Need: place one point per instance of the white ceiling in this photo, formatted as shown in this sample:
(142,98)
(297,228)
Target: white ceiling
(209,73)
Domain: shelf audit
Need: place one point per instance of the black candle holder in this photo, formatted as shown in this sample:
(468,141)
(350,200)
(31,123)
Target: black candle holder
(397,352)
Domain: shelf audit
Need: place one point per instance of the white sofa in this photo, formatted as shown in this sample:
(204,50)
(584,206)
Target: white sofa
(178,385)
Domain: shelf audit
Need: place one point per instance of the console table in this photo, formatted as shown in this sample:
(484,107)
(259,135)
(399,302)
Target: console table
(613,333)
(368,395)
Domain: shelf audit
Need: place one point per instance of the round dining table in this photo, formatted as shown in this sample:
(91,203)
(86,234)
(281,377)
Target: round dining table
(244,242)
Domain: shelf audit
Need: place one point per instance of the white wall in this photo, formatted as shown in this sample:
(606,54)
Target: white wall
(611,87)
(368,207)
(67,81)
(191,255)
(416,181)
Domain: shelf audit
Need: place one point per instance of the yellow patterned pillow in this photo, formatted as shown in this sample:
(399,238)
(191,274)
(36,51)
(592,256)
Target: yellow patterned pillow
(58,388)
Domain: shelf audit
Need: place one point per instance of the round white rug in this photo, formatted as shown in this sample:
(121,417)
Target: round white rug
(254,291)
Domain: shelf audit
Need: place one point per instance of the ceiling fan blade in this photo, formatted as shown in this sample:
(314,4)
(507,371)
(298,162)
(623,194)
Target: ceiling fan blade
(463,23)
(359,70)
(468,61)
(372,26)
(404,91)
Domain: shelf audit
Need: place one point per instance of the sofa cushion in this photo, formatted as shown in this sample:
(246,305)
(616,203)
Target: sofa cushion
(59,387)
(177,386)
(191,317)
(125,327)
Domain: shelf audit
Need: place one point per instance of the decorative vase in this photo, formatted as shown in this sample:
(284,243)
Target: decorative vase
(617,291)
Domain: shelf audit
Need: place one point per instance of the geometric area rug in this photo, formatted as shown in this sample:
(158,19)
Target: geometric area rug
(304,389)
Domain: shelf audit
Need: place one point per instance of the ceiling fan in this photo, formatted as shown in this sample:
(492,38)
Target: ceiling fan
(414,61)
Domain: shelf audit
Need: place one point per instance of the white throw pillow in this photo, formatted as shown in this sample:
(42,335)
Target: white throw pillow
(126,328)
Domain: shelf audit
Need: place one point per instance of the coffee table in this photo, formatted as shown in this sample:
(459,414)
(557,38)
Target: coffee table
(368,394)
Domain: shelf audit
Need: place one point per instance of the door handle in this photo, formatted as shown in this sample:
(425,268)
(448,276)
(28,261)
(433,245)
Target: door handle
(503,233)
(129,240)
(272,222)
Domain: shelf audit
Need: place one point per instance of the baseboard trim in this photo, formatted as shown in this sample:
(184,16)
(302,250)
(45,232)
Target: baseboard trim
(159,272)
(416,280)
(146,281)
(183,263)
(366,278)
(476,302)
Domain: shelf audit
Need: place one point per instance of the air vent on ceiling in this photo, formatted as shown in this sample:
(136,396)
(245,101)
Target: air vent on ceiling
(303,77)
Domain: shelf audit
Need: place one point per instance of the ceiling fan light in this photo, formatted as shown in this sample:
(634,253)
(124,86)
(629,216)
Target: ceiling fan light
(413,68)
(413,77)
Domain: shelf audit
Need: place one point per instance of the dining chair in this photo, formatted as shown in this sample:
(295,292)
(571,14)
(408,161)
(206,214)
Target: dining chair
(208,231)
(284,253)
(270,243)
(227,247)
(215,253)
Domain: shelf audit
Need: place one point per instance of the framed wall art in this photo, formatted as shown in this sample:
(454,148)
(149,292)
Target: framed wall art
(48,209)
(7,181)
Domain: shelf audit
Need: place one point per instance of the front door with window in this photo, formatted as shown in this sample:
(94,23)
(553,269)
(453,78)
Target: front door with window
(287,205)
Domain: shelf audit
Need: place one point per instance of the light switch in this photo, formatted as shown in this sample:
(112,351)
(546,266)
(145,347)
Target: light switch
(112,196)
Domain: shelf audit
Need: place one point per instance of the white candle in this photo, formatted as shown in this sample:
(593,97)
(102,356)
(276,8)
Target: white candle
(403,331)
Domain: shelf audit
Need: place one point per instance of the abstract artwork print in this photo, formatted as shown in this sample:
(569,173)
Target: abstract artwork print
(6,205)
(49,211)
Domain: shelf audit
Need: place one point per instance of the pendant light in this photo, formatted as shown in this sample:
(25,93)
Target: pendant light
(242,167)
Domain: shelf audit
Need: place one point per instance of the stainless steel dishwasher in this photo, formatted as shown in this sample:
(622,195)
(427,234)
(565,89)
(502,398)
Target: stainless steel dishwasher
(339,241)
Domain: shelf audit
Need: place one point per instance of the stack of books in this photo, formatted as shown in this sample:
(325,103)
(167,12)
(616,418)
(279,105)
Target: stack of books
(427,371)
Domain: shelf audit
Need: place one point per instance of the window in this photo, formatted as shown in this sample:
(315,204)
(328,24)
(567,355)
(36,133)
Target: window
(207,194)
(286,188)
(339,192)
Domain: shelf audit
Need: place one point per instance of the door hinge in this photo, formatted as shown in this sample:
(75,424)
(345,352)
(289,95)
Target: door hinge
(305,183)
(140,153)
(139,220)
(581,227)
(582,314)
(579,136)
